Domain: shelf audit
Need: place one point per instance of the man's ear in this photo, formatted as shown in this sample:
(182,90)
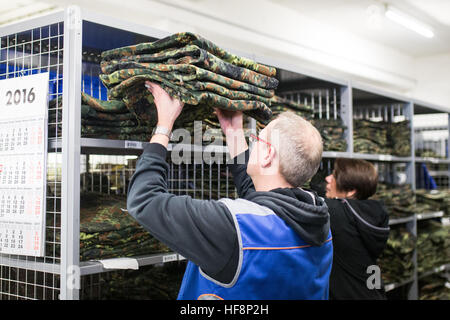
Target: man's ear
(269,157)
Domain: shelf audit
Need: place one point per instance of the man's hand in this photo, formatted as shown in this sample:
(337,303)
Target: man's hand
(232,126)
(168,108)
(230,121)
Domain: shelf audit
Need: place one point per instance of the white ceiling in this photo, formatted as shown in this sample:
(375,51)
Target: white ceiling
(354,16)
(363,18)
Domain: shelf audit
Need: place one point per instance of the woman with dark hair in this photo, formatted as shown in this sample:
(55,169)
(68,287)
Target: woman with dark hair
(359,228)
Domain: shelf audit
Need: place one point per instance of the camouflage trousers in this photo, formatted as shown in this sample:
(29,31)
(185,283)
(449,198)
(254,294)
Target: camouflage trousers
(191,55)
(183,39)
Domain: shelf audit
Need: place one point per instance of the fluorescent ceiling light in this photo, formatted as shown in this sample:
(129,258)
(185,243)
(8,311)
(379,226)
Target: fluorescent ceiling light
(408,22)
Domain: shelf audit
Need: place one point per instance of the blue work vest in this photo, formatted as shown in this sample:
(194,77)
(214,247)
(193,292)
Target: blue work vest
(274,262)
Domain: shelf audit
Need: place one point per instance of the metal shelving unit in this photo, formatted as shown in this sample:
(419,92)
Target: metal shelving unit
(75,39)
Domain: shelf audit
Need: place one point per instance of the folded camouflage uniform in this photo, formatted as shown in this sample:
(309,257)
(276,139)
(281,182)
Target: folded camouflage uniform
(436,199)
(106,231)
(192,55)
(98,119)
(399,200)
(370,137)
(183,39)
(429,153)
(214,90)
(433,245)
(396,262)
(434,287)
(194,70)
(399,135)
(332,132)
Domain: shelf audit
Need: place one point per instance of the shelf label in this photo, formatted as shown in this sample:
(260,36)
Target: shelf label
(133,144)
(170,258)
(23,156)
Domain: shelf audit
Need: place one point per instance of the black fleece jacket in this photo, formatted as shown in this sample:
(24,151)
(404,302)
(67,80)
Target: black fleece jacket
(360,231)
(203,230)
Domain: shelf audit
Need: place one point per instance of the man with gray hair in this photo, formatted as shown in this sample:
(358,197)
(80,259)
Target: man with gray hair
(273,242)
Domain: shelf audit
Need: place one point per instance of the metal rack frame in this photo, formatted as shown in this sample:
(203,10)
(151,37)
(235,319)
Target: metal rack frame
(72,146)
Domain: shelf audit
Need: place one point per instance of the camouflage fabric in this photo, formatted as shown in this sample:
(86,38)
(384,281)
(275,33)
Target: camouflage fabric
(277,101)
(434,287)
(91,130)
(183,39)
(396,262)
(381,137)
(193,55)
(433,245)
(87,111)
(176,74)
(111,106)
(437,199)
(428,153)
(332,132)
(399,200)
(100,123)
(399,135)
(254,108)
(370,137)
(107,231)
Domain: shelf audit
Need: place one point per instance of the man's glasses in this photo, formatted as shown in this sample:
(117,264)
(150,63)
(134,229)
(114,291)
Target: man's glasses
(254,138)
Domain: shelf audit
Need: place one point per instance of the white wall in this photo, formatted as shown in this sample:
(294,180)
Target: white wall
(433,79)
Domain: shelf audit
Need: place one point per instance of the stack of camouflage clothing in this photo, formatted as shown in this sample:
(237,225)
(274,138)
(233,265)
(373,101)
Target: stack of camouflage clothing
(332,132)
(434,287)
(279,105)
(379,137)
(100,119)
(192,69)
(437,199)
(370,137)
(433,245)
(107,231)
(396,261)
(399,137)
(427,153)
(399,200)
